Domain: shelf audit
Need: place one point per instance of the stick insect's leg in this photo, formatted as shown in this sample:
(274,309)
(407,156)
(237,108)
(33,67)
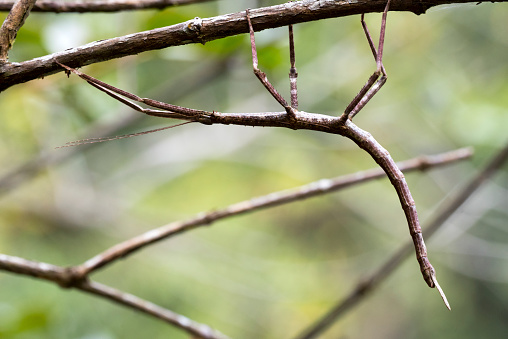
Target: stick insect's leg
(169,110)
(381,38)
(378,78)
(261,75)
(293,74)
(371,42)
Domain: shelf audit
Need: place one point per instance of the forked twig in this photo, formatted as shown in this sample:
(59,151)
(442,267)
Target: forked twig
(372,282)
(62,277)
(292,118)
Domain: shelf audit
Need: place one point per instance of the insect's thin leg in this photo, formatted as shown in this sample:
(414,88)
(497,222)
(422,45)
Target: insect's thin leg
(372,90)
(147,111)
(259,74)
(354,104)
(382,38)
(378,78)
(370,41)
(170,111)
(293,74)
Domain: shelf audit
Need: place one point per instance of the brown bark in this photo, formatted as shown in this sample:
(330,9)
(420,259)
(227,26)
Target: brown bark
(100,6)
(201,31)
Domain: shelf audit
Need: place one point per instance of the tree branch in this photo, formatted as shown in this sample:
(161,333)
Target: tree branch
(199,331)
(313,189)
(99,5)
(62,277)
(370,284)
(201,31)
(32,268)
(16,18)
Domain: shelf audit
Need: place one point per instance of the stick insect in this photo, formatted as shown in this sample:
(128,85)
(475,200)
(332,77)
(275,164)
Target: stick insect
(293,118)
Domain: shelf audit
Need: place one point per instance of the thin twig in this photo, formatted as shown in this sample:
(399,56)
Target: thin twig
(87,6)
(320,187)
(62,277)
(32,268)
(201,31)
(372,282)
(197,330)
(11,25)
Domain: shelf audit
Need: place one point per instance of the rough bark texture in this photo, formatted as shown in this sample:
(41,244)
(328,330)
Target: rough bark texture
(12,24)
(99,6)
(200,31)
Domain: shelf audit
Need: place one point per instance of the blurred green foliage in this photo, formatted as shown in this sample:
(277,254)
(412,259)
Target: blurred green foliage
(268,274)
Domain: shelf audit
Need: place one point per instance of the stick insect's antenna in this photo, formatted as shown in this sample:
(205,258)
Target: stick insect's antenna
(117,137)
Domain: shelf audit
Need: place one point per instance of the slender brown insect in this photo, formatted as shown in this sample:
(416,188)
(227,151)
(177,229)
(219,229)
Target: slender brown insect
(293,118)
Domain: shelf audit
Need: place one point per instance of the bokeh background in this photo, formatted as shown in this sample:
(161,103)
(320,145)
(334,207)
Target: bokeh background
(272,273)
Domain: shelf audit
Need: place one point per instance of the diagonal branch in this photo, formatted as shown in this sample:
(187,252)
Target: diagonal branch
(62,277)
(313,189)
(16,18)
(197,330)
(370,284)
(201,31)
(100,5)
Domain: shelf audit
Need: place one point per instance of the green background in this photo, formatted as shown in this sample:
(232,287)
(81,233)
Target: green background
(272,273)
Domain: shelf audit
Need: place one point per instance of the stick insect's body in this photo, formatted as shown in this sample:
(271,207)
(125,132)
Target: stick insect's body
(293,118)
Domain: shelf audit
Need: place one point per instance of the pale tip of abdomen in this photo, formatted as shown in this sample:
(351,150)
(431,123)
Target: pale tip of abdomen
(440,290)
